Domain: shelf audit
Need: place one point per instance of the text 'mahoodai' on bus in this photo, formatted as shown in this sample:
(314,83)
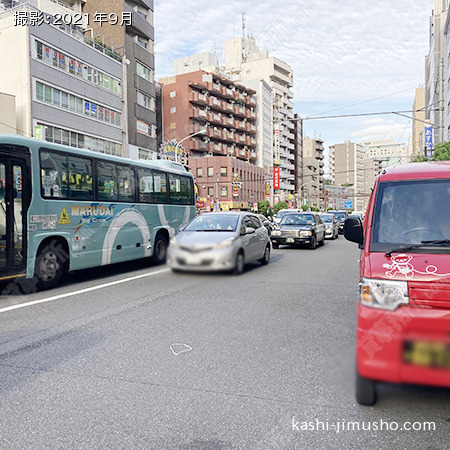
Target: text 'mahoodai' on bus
(64,208)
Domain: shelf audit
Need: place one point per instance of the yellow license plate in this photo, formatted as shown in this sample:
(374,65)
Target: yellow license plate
(427,354)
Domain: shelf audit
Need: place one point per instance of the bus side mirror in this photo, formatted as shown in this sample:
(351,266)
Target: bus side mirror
(353,230)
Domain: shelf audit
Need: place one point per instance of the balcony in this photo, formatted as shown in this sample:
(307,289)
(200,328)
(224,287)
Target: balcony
(239,111)
(198,145)
(253,155)
(251,115)
(214,102)
(241,125)
(198,114)
(197,97)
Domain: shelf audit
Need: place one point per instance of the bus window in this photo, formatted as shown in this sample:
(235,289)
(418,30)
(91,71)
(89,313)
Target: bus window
(125,179)
(80,178)
(145,178)
(180,190)
(107,181)
(160,186)
(54,182)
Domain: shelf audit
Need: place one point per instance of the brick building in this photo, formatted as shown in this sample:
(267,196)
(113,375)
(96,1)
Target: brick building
(229,182)
(198,101)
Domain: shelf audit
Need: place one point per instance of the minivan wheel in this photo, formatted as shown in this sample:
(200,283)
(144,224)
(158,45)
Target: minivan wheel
(239,266)
(313,244)
(366,393)
(275,245)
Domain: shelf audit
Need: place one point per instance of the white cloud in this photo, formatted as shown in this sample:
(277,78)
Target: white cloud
(342,53)
(383,130)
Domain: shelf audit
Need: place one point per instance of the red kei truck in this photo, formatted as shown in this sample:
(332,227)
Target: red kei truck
(403,312)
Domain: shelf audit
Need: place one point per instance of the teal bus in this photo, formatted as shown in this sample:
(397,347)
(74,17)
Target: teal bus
(64,209)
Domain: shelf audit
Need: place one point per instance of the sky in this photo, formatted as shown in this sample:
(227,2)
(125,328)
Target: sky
(348,57)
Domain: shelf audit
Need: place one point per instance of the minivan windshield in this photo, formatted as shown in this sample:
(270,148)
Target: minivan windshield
(412,213)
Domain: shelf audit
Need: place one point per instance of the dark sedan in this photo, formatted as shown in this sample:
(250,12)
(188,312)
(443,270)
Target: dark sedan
(299,228)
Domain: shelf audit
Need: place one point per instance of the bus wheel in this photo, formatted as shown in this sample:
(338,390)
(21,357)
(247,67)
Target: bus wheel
(50,265)
(159,250)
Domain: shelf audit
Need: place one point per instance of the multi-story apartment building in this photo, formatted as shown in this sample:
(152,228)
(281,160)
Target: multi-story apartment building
(264,107)
(313,171)
(331,165)
(388,149)
(418,125)
(435,72)
(133,34)
(349,170)
(197,101)
(67,88)
(244,61)
(8,123)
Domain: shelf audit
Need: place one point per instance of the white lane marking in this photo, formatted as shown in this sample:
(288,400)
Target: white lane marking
(81,291)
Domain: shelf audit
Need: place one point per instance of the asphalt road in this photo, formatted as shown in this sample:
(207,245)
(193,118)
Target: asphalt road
(133,356)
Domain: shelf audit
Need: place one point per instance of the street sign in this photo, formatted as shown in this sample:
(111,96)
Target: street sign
(348,204)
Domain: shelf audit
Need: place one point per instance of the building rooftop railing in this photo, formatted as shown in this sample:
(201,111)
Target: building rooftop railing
(7,9)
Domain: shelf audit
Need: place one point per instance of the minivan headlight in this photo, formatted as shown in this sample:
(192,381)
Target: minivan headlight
(383,294)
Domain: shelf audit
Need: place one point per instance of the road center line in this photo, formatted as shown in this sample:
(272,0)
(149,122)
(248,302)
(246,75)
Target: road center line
(81,291)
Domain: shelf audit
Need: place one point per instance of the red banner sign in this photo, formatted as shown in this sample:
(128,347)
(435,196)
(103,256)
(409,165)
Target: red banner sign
(276,178)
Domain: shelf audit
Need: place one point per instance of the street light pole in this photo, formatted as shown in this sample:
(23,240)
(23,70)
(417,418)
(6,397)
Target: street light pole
(187,137)
(304,184)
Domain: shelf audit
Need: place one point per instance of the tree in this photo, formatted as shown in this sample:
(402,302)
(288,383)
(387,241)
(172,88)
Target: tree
(442,152)
(279,205)
(263,207)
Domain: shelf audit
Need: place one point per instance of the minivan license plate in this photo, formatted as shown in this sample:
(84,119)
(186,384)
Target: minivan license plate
(428,354)
(290,240)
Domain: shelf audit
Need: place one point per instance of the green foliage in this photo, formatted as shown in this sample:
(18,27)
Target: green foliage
(304,207)
(442,152)
(263,207)
(419,159)
(280,205)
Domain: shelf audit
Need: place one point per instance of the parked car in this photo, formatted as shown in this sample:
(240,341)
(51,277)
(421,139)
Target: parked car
(266,222)
(331,225)
(341,216)
(220,241)
(299,228)
(279,215)
(403,312)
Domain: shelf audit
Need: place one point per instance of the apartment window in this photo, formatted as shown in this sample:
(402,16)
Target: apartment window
(211,191)
(199,172)
(144,71)
(223,191)
(173,110)
(142,41)
(210,171)
(223,171)
(173,94)
(145,101)
(173,125)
